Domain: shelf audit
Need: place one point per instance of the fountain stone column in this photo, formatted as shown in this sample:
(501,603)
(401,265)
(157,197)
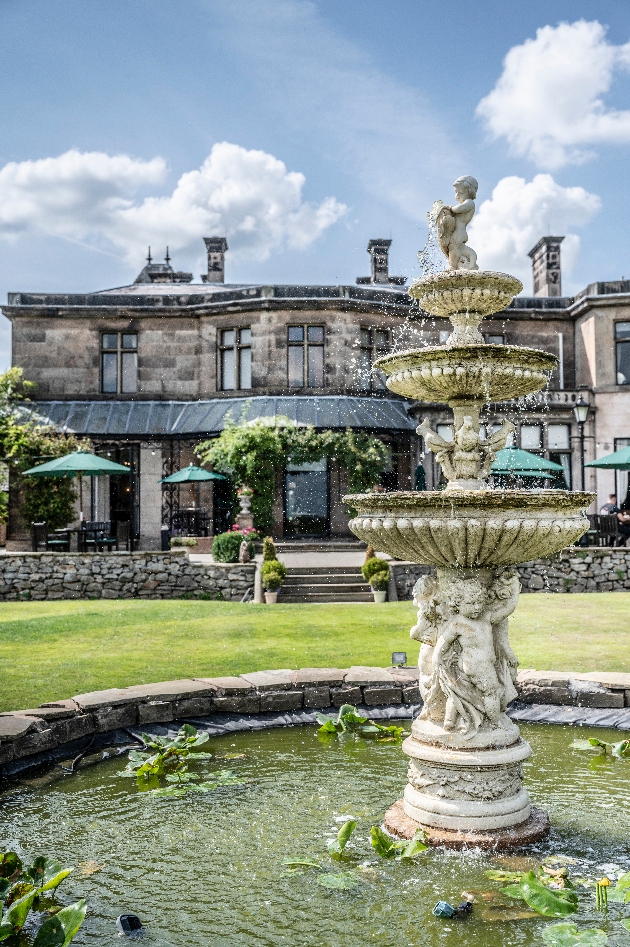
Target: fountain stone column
(465,778)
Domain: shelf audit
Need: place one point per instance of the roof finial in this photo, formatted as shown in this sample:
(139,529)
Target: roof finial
(167,257)
(149,255)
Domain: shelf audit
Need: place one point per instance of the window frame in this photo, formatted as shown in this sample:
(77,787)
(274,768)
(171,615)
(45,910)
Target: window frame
(620,343)
(306,345)
(119,351)
(237,347)
(374,349)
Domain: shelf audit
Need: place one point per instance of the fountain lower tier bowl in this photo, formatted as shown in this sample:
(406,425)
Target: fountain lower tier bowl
(472,372)
(470,528)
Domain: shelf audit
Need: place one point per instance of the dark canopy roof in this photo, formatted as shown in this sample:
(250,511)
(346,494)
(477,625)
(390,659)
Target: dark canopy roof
(186,418)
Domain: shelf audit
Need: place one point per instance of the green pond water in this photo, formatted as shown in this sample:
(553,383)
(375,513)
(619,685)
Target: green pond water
(206,870)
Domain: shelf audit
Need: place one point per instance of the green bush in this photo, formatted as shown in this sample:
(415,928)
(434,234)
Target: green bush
(273,574)
(269,550)
(226,546)
(375,566)
(183,541)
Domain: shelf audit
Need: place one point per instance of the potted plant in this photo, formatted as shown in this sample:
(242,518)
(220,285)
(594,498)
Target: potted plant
(245,495)
(376,572)
(272,574)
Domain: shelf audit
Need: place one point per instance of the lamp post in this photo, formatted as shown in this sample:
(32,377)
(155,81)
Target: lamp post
(580,410)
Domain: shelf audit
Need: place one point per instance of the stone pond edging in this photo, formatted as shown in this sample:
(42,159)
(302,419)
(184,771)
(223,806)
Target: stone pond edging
(576,569)
(27,734)
(47,576)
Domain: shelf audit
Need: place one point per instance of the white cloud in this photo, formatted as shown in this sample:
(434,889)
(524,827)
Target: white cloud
(249,196)
(548,103)
(519,213)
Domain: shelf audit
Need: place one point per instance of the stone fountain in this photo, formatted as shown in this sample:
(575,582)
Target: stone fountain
(465,780)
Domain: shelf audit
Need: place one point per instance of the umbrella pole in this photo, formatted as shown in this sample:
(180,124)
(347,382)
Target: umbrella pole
(80,497)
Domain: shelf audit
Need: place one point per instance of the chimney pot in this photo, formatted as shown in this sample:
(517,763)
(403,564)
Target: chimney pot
(215,247)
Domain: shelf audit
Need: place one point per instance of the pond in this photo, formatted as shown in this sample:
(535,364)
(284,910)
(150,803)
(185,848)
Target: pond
(207,869)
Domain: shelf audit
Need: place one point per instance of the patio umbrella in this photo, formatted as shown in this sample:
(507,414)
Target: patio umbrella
(511,460)
(191,474)
(620,460)
(75,465)
(186,474)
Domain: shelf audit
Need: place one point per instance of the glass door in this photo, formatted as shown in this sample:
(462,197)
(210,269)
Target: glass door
(306,504)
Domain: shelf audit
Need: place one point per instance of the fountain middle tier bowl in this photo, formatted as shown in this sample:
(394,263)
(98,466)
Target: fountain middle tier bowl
(470,528)
(471,372)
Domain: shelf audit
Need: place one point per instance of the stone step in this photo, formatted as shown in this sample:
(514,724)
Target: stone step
(338,597)
(324,545)
(323,578)
(307,571)
(327,587)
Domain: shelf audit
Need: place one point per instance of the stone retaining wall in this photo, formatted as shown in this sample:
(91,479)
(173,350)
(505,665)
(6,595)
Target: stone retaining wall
(25,733)
(41,576)
(589,569)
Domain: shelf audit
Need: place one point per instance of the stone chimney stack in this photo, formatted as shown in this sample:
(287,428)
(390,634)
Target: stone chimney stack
(216,247)
(379,252)
(546,270)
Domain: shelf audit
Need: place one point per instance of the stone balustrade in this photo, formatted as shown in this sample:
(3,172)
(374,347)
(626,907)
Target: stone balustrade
(39,576)
(27,736)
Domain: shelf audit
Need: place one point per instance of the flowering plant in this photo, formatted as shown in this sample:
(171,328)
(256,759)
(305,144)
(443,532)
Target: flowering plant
(245,491)
(247,532)
(377,488)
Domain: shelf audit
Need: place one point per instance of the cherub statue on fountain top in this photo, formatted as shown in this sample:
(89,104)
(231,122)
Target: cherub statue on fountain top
(451,223)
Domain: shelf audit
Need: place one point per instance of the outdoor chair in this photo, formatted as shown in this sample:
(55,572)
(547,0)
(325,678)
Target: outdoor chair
(608,531)
(122,535)
(95,536)
(58,542)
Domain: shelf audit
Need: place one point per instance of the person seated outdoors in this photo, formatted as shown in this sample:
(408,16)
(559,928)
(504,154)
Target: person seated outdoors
(623,516)
(611,507)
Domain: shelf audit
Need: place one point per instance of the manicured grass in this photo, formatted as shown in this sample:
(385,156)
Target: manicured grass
(50,650)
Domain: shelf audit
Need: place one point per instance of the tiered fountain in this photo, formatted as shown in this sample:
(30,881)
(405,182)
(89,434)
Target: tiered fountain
(465,776)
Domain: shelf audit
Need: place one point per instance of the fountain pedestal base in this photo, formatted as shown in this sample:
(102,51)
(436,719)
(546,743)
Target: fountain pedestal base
(536,827)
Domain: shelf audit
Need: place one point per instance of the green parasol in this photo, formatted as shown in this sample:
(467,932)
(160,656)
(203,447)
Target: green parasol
(511,460)
(620,460)
(191,473)
(75,465)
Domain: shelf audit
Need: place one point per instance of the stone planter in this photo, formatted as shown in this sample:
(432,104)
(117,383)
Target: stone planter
(379,596)
(271,598)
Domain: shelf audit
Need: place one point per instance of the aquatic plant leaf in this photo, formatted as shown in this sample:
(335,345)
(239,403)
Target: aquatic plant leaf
(19,889)
(329,727)
(567,935)
(621,749)
(195,757)
(47,872)
(9,864)
(173,791)
(512,891)
(415,846)
(59,930)
(300,863)
(6,930)
(623,881)
(581,745)
(337,846)
(495,874)
(343,881)
(546,902)
(383,845)
(16,915)
(625,923)
(181,777)
(5,886)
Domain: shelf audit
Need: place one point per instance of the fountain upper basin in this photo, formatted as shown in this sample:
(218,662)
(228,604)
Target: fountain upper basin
(470,528)
(467,372)
(453,291)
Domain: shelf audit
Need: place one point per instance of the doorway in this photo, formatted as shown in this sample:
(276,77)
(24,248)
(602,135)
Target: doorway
(306,499)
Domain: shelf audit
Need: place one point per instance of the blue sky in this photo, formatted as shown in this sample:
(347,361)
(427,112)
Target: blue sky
(301,129)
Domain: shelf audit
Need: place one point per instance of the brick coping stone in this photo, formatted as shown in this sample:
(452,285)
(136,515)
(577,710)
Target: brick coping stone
(27,734)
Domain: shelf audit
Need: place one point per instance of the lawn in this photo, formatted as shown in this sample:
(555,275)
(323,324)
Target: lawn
(50,650)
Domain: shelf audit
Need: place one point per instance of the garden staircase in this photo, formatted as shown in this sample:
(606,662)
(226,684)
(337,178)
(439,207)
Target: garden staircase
(325,584)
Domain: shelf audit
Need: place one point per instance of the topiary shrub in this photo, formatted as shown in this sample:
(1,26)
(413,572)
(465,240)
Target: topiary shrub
(273,574)
(376,572)
(183,541)
(226,547)
(269,550)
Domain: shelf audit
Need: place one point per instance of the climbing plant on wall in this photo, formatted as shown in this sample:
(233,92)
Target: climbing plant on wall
(256,452)
(24,444)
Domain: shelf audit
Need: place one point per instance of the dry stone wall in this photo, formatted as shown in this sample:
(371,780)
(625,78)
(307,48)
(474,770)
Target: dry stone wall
(576,569)
(39,576)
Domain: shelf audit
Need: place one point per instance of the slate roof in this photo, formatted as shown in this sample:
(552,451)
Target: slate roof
(211,416)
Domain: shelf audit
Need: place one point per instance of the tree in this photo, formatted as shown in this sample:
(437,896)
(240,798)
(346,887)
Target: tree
(254,453)
(23,444)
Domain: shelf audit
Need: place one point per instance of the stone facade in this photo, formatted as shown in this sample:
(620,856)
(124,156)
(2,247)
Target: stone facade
(49,576)
(591,569)
(27,733)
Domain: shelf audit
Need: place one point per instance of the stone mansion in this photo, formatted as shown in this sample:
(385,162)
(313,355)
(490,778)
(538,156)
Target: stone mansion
(149,370)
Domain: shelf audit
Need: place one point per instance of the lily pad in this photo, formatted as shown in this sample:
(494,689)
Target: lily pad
(567,935)
(301,863)
(342,881)
(495,874)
